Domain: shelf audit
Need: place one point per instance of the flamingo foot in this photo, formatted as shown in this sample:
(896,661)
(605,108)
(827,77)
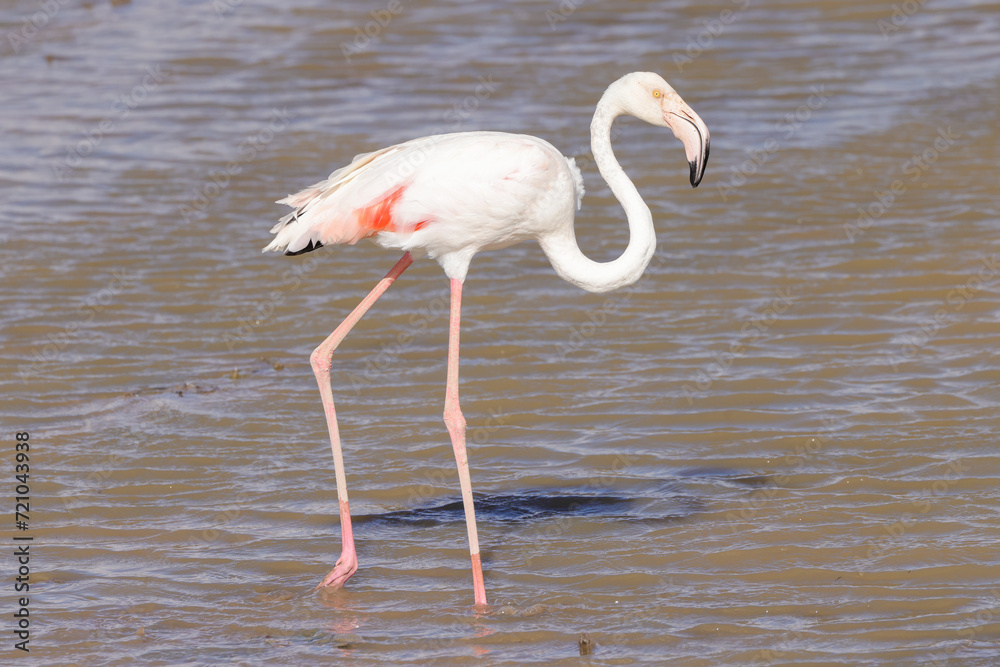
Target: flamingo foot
(346,566)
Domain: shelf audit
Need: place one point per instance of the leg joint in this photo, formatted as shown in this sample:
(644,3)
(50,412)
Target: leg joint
(453,417)
(320,360)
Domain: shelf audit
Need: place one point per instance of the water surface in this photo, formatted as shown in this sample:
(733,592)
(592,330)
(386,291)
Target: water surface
(778,447)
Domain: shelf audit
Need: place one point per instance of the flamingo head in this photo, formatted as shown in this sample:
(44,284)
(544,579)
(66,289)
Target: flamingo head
(648,97)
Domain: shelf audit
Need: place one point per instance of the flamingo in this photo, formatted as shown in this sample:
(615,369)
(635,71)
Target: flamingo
(453,195)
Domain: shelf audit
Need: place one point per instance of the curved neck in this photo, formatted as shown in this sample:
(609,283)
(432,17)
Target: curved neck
(562,249)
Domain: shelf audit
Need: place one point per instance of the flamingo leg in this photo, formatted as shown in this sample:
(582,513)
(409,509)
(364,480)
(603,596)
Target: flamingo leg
(321,360)
(455,421)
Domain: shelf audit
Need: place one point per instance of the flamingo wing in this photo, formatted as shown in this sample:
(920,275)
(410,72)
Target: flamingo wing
(354,202)
(468,189)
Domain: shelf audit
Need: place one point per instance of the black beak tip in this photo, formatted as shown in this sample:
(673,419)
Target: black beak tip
(695,176)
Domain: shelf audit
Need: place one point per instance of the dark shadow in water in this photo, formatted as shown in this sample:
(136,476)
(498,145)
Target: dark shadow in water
(529,506)
(664,503)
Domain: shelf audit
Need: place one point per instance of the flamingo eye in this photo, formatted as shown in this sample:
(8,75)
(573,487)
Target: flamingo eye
(657,94)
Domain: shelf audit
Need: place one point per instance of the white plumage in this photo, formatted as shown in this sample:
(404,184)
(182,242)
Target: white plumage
(452,195)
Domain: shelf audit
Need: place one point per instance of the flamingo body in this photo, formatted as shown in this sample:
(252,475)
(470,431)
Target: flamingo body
(449,196)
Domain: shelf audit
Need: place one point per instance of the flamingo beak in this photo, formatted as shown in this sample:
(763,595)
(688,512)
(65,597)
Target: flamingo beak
(693,133)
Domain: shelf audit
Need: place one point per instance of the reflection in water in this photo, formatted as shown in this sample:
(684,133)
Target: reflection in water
(528,506)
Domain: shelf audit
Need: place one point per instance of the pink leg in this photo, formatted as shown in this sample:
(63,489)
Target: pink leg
(321,360)
(455,422)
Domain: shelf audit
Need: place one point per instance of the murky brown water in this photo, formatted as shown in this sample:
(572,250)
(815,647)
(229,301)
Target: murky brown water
(786,433)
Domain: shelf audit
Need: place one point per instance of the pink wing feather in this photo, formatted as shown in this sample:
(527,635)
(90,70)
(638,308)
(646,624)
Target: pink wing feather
(468,190)
(332,211)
